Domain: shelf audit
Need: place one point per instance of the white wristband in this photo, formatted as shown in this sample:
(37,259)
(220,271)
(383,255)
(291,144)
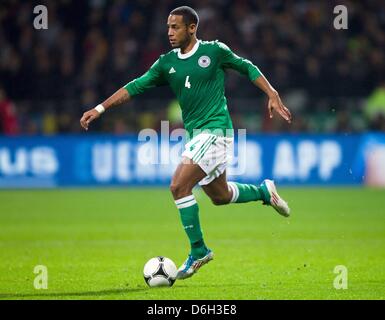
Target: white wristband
(99,108)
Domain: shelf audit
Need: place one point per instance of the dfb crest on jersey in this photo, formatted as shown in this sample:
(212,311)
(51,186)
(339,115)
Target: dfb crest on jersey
(204,61)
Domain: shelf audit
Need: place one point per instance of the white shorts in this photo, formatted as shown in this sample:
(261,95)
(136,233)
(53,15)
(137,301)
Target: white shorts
(211,153)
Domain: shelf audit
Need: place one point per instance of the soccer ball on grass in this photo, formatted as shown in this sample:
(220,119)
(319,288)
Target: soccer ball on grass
(160,272)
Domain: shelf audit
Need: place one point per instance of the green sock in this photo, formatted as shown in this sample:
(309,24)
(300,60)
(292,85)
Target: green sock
(248,192)
(189,213)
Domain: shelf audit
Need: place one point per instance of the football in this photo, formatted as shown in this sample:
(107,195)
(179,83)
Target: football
(160,272)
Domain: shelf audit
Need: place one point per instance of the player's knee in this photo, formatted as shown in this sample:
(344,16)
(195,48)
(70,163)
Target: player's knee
(179,190)
(220,200)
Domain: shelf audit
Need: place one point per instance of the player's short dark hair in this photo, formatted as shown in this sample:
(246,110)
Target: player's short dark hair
(189,15)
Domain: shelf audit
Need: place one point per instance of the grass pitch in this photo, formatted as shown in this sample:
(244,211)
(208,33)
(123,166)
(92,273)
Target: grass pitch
(96,242)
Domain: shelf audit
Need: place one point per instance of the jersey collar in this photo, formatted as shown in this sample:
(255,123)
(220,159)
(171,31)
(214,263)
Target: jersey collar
(190,53)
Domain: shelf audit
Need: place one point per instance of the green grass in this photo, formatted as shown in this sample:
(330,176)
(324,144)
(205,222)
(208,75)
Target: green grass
(95,243)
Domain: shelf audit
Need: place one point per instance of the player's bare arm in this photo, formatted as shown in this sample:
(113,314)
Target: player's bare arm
(119,97)
(275,102)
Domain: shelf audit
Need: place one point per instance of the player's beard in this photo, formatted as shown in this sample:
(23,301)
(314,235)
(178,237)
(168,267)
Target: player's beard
(185,42)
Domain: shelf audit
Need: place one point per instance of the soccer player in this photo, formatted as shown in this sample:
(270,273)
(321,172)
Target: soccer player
(195,70)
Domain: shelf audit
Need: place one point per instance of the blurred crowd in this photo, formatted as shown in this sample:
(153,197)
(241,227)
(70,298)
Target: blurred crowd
(332,80)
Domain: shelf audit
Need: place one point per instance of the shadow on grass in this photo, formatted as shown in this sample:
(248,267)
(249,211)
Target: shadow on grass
(71,294)
(195,285)
(107,292)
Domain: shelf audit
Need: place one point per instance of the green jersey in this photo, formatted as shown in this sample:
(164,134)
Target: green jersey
(197,79)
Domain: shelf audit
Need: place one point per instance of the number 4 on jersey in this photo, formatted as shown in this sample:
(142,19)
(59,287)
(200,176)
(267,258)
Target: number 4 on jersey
(187,84)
